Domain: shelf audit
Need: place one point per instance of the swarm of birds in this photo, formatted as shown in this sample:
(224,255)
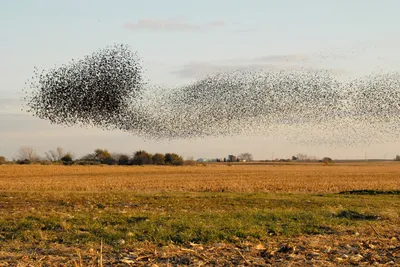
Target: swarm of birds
(94,91)
(107,90)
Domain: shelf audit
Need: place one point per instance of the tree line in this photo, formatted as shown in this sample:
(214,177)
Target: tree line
(27,155)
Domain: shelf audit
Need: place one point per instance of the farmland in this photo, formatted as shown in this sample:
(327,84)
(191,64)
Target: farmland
(201,215)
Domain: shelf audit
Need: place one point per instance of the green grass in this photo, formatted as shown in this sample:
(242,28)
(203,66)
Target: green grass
(372,192)
(79,219)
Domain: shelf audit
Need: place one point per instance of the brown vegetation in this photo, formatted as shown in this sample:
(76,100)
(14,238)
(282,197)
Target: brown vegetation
(57,215)
(200,178)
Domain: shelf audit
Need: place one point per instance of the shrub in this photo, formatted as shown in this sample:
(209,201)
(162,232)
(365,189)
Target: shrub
(87,162)
(327,160)
(141,157)
(108,161)
(173,159)
(123,160)
(158,159)
(24,161)
(67,159)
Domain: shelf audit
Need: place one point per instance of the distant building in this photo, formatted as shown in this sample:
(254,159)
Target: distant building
(232,158)
(207,160)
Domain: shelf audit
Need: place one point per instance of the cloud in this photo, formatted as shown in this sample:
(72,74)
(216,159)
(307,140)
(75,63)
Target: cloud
(215,23)
(196,70)
(270,59)
(201,69)
(243,30)
(283,58)
(172,24)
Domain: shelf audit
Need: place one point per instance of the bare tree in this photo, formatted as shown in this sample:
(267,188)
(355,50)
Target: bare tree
(304,157)
(28,153)
(60,153)
(246,156)
(51,155)
(55,155)
(301,157)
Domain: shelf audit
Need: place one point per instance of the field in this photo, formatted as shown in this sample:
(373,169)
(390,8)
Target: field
(202,215)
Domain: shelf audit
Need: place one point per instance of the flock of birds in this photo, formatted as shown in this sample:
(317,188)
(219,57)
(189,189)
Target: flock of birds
(107,90)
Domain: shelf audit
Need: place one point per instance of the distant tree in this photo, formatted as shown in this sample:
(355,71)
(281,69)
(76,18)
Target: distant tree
(294,158)
(101,154)
(89,157)
(108,161)
(141,157)
(116,156)
(27,153)
(397,158)
(67,159)
(123,160)
(158,159)
(304,157)
(246,156)
(60,153)
(327,160)
(3,160)
(104,156)
(301,157)
(23,161)
(51,155)
(173,159)
(56,155)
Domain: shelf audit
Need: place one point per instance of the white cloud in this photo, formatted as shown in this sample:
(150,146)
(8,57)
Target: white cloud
(171,24)
(265,63)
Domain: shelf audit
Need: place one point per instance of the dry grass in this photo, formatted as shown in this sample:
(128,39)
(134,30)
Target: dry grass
(311,178)
(200,215)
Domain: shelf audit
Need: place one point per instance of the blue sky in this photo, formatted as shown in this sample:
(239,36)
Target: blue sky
(178,42)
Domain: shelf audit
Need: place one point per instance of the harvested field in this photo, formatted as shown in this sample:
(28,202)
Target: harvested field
(306,178)
(211,215)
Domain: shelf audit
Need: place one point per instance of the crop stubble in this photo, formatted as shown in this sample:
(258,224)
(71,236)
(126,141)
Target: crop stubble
(306,178)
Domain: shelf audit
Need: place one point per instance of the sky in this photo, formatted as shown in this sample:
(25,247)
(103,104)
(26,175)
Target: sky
(180,41)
